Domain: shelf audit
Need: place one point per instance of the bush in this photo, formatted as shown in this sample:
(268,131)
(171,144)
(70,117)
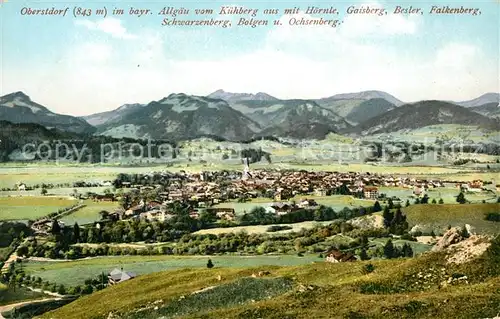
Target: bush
(407,236)
(368,268)
(210,264)
(61,290)
(493,217)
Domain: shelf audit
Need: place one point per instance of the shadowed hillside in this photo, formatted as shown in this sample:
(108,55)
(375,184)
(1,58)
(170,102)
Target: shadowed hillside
(421,114)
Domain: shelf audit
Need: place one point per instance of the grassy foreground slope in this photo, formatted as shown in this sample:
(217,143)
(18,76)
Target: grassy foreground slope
(398,288)
(73,273)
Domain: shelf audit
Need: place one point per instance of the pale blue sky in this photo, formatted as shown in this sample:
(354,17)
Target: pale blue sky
(88,64)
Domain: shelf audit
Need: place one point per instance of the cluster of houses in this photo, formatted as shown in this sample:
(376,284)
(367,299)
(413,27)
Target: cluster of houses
(212,187)
(159,211)
(206,189)
(283,208)
(476,186)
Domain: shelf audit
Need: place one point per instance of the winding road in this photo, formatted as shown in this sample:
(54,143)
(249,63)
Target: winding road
(12,306)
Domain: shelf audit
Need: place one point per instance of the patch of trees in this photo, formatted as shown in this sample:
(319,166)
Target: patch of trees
(424,200)
(255,155)
(10,231)
(306,240)
(11,235)
(391,251)
(395,222)
(259,215)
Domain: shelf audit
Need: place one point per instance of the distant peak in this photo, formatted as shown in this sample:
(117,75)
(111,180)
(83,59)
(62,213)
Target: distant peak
(232,96)
(18,94)
(176,94)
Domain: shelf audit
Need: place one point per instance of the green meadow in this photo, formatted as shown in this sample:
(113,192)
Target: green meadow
(31,207)
(71,273)
(439,217)
(89,213)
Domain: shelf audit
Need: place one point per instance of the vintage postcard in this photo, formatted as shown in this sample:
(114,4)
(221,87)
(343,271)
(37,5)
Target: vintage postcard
(250,159)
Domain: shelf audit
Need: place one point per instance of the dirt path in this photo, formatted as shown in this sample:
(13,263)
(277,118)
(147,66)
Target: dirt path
(12,306)
(12,258)
(60,260)
(50,293)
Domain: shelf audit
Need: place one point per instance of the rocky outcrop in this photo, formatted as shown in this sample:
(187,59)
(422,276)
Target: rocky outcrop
(467,250)
(451,236)
(462,244)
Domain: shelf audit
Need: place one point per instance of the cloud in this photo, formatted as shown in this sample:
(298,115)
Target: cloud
(111,26)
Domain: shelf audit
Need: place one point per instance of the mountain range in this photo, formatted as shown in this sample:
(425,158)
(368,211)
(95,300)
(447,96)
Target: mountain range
(19,108)
(483,99)
(243,116)
(425,113)
(488,109)
(180,116)
(112,116)
(233,97)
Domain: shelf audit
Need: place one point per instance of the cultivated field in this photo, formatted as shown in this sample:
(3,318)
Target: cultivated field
(448,194)
(60,191)
(89,213)
(28,207)
(72,273)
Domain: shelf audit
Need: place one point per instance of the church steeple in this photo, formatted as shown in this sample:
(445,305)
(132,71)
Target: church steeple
(246,169)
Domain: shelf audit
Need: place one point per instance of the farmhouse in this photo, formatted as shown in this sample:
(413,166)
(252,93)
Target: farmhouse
(418,191)
(307,203)
(282,208)
(116,276)
(336,256)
